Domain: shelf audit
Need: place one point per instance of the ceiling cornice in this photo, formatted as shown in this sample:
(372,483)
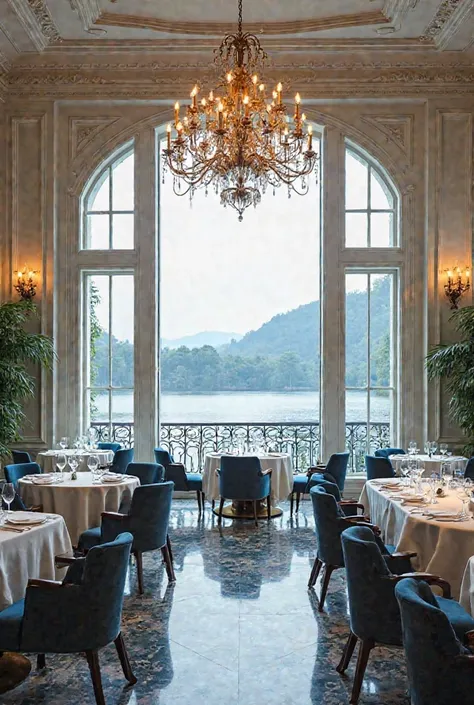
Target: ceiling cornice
(360,19)
(442,18)
(88,12)
(37,22)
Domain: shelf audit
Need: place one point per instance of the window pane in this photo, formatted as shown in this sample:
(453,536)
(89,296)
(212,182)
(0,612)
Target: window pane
(98,330)
(380,195)
(123,196)
(98,232)
(122,330)
(99,198)
(356,330)
(122,234)
(99,405)
(381,230)
(356,230)
(380,419)
(380,329)
(122,406)
(356,182)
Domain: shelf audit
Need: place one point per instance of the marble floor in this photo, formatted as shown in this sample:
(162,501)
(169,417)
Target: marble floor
(238,627)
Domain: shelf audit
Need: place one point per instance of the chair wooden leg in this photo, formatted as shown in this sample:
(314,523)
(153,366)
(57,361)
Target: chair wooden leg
(213,503)
(364,651)
(255,516)
(269,507)
(139,559)
(168,543)
(203,499)
(94,667)
(198,495)
(221,507)
(292,496)
(317,565)
(324,587)
(168,564)
(124,661)
(40,661)
(347,653)
(298,496)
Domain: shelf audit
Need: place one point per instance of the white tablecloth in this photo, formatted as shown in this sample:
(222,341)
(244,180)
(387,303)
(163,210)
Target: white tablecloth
(467,587)
(281,481)
(443,548)
(432,464)
(47,460)
(30,555)
(79,501)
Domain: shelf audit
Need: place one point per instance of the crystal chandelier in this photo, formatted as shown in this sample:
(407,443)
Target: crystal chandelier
(237,139)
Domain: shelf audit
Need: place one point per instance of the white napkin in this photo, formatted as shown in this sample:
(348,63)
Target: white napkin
(46,479)
(111,477)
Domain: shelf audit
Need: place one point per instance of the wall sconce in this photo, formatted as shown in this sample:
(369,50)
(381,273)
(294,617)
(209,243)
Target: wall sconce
(456,286)
(25,283)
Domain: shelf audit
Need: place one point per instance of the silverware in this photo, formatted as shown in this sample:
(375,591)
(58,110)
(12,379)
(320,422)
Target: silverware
(15,529)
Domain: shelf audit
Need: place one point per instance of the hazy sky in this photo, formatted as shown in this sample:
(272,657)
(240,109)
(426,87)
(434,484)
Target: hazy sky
(220,274)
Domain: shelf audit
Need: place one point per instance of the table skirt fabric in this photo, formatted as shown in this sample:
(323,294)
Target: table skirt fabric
(79,501)
(281,480)
(443,548)
(30,555)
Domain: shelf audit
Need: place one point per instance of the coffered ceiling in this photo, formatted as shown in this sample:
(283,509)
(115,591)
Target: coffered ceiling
(43,25)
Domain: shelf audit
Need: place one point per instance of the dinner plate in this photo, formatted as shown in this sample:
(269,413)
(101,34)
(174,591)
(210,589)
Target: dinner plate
(25,518)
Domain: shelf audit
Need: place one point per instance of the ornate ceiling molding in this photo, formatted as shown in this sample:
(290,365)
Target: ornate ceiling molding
(88,12)
(37,22)
(45,21)
(461,14)
(360,19)
(443,15)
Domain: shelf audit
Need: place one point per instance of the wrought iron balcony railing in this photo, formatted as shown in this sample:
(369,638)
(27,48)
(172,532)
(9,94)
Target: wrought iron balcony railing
(189,442)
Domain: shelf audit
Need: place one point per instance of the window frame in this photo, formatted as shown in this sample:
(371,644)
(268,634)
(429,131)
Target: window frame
(372,166)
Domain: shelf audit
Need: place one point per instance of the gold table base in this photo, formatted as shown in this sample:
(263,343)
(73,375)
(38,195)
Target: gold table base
(14,668)
(244,510)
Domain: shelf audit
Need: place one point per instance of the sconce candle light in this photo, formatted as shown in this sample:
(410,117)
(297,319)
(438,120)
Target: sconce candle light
(25,282)
(456,285)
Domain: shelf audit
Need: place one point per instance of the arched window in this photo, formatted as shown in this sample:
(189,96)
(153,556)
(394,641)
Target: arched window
(371,203)
(108,206)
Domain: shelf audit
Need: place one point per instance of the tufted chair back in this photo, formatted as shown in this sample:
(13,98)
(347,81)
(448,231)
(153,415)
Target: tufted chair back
(147,473)
(378,467)
(240,478)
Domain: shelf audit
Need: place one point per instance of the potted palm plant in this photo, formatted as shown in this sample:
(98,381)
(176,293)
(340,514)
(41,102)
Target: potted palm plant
(454,363)
(18,349)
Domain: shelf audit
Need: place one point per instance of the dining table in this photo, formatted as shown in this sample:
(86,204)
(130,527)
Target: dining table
(47,459)
(281,484)
(432,463)
(27,551)
(442,540)
(80,501)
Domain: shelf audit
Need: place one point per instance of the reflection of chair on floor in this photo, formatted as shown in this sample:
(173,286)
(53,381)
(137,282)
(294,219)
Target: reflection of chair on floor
(159,651)
(243,480)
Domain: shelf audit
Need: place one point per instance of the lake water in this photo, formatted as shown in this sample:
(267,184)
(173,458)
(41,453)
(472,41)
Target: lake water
(243,406)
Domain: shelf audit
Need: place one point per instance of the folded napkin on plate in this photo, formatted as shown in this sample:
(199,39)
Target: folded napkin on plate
(45,479)
(111,477)
(413,500)
(439,514)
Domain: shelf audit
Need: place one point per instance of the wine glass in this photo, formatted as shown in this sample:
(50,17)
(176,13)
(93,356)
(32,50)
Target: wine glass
(443,448)
(464,494)
(64,442)
(93,465)
(73,463)
(434,447)
(8,494)
(61,462)
(412,448)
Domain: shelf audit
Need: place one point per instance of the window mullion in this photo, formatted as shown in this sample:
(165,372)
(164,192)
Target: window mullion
(110,358)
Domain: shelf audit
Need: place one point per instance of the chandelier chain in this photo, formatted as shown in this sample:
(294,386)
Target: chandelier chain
(240,17)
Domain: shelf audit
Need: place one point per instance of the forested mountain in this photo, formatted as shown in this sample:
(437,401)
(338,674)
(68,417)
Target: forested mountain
(283,354)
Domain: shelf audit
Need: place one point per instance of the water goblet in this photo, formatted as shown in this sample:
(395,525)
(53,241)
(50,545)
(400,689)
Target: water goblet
(8,494)
(64,442)
(434,447)
(73,463)
(412,448)
(60,462)
(93,465)
(465,499)
(443,448)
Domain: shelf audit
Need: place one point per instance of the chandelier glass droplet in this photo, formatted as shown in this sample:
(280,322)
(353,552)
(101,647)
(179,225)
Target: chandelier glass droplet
(238,140)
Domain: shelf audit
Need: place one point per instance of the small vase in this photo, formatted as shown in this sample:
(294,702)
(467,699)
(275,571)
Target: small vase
(74,475)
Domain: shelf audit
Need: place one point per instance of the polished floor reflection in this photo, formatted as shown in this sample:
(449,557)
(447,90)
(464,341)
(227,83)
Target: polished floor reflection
(239,626)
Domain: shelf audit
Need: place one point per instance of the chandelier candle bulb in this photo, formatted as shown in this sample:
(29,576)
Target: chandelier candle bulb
(279,91)
(168,136)
(310,138)
(176,113)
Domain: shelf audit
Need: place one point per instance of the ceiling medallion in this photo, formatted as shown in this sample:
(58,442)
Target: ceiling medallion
(237,140)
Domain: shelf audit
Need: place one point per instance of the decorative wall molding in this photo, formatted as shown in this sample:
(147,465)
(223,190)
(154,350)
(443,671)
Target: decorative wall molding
(461,14)
(359,19)
(88,12)
(45,21)
(397,129)
(83,131)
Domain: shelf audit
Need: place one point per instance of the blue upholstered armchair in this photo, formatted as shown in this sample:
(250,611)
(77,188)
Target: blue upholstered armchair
(378,467)
(469,471)
(440,668)
(109,445)
(121,460)
(374,611)
(183,481)
(335,472)
(348,507)
(242,479)
(15,472)
(147,521)
(330,521)
(147,473)
(20,456)
(387,452)
(81,614)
